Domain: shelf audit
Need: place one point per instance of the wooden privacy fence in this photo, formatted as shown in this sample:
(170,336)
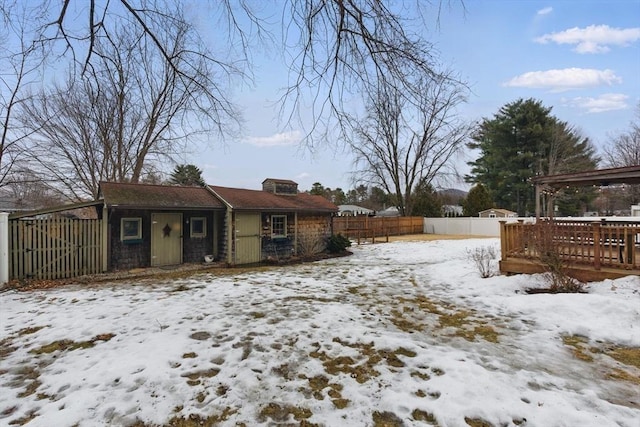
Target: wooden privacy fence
(372,227)
(55,248)
(598,244)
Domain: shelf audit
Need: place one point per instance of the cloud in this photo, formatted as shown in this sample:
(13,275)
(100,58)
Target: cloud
(276,140)
(545,11)
(565,79)
(303,175)
(594,38)
(606,102)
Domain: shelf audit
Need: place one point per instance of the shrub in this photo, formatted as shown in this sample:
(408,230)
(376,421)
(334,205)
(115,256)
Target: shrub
(338,243)
(555,258)
(484,259)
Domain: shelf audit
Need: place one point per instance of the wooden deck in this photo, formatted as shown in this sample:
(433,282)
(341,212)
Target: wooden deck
(589,251)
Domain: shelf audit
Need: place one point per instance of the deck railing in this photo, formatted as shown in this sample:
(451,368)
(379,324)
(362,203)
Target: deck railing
(598,243)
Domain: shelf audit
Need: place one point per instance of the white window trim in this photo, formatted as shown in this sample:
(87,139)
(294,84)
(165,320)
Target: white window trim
(137,236)
(273,235)
(204,226)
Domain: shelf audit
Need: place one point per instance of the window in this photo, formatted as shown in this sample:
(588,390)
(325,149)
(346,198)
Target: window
(492,215)
(131,229)
(198,227)
(278,226)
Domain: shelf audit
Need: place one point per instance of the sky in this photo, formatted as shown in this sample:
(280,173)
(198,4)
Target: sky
(581,58)
(395,331)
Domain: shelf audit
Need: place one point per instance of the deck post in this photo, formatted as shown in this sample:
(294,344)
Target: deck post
(4,248)
(503,240)
(596,245)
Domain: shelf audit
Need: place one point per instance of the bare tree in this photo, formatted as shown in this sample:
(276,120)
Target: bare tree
(406,140)
(350,47)
(625,151)
(625,148)
(130,111)
(20,61)
(333,47)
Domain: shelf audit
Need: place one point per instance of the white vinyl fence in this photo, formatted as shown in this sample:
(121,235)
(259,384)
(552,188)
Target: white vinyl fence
(470,226)
(490,227)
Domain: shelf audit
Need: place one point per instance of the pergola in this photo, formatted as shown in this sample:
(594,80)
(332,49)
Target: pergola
(601,177)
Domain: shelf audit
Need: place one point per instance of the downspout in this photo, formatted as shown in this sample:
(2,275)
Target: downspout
(295,233)
(105,238)
(229,225)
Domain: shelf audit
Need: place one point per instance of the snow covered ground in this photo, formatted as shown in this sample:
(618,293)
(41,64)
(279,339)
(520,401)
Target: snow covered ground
(402,333)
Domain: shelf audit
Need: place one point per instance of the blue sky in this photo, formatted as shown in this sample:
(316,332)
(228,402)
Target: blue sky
(580,57)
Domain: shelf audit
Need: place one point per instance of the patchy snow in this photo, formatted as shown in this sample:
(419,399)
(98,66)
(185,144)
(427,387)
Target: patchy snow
(406,330)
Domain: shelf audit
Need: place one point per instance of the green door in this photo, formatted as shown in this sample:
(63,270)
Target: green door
(166,239)
(247,238)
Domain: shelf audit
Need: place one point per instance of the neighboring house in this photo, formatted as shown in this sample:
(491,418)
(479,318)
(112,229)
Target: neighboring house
(354,210)
(497,213)
(156,225)
(274,223)
(452,210)
(389,212)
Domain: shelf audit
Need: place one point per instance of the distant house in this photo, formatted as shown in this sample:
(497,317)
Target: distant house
(354,210)
(452,210)
(389,212)
(497,213)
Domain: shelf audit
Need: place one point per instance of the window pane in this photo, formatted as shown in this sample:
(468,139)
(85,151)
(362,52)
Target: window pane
(131,228)
(279,225)
(198,227)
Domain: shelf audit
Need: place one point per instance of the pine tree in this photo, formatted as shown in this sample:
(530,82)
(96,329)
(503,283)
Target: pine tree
(521,141)
(189,175)
(477,200)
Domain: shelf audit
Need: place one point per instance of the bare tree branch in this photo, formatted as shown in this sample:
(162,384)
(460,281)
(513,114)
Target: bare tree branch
(402,144)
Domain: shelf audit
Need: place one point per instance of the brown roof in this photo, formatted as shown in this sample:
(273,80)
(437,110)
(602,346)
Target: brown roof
(158,196)
(623,175)
(243,199)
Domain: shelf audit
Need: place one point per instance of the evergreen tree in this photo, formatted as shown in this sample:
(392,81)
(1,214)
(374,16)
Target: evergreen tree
(477,200)
(187,175)
(426,201)
(317,189)
(521,141)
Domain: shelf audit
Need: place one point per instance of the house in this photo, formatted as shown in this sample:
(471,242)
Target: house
(354,210)
(274,223)
(391,211)
(156,225)
(497,213)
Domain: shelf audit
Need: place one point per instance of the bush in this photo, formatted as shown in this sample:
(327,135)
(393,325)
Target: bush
(484,259)
(338,243)
(555,258)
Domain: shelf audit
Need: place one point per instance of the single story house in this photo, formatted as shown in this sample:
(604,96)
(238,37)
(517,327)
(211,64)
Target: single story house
(497,213)
(354,210)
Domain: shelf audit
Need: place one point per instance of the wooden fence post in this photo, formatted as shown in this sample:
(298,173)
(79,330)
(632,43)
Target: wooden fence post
(4,248)
(503,240)
(596,245)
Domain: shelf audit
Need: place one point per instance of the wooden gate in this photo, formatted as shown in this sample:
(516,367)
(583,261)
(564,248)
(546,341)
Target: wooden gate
(54,248)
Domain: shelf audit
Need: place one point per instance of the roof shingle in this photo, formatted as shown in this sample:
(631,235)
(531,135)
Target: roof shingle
(243,199)
(158,196)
